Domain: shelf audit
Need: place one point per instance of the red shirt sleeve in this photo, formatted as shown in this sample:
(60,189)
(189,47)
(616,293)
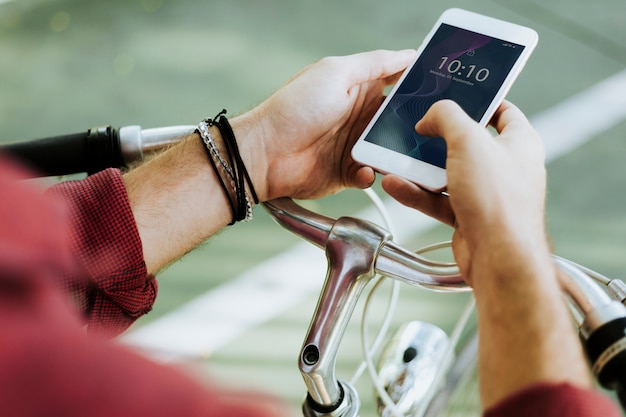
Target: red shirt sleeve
(113,288)
(558,400)
(48,366)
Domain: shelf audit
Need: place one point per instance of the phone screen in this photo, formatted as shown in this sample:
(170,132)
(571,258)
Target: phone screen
(457,64)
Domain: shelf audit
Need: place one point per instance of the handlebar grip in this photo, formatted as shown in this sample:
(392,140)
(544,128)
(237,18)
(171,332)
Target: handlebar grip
(90,152)
(606,350)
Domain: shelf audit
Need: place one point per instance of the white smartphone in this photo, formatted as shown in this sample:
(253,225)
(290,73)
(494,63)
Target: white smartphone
(469,58)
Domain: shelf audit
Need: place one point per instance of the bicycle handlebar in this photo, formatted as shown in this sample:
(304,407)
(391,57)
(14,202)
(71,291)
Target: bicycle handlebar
(391,259)
(88,151)
(93,150)
(357,250)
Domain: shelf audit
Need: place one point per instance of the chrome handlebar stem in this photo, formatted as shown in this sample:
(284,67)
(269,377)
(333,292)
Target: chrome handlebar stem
(391,259)
(356,251)
(351,258)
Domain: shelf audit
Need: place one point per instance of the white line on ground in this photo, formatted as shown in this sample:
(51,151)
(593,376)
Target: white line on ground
(583,116)
(200,327)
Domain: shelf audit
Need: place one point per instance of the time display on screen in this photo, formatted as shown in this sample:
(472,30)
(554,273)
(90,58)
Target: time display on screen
(456,64)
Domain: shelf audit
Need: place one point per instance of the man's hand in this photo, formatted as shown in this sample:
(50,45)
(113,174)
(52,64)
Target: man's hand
(496,185)
(306,130)
(297,144)
(496,189)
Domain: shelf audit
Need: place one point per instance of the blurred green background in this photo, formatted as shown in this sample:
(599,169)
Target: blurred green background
(68,65)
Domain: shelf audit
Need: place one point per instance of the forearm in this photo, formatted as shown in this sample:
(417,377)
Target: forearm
(525,331)
(177,202)
(295,144)
(177,199)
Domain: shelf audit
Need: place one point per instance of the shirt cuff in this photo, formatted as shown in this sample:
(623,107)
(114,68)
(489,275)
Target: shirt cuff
(555,399)
(115,288)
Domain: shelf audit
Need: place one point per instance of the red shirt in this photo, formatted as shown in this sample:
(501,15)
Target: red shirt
(81,239)
(555,400)
(48,365)
(112,288)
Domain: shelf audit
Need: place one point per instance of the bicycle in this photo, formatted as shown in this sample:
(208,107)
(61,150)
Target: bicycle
(419,369)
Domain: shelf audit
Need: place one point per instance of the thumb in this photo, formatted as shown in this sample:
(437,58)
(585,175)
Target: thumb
(447,119)
(368,66)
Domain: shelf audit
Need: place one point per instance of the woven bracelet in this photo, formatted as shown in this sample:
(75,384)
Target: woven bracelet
(229,169)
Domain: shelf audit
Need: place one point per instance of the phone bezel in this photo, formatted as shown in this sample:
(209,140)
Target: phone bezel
(420,172)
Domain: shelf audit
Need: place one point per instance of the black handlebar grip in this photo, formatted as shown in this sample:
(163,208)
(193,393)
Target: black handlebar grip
(606,350)
(90,151)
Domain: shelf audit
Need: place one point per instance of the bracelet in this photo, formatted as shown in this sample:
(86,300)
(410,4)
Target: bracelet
(231,170)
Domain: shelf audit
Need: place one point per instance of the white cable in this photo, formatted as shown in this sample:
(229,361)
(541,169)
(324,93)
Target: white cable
(380,206)
(384,328)
(368,352)
(449,355)
(369,361)
(395,289)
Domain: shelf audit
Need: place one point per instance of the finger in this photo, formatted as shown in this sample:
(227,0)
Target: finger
(446,119)
(411,195)
(392,79)
(513,125)
(364,178)
(509,115)
(367,66)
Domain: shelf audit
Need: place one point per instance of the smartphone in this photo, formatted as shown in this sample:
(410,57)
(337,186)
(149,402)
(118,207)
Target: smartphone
(469,58)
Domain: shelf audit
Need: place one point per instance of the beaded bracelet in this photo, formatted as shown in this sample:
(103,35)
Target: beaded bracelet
(231,170)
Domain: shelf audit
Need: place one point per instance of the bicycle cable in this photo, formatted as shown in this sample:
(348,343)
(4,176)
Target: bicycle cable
(369,351)
(441,370)
(395,289)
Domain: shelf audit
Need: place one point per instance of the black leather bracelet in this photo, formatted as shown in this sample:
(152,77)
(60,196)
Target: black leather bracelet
(231,169)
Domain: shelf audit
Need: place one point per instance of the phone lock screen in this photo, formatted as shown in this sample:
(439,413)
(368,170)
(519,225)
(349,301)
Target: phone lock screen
(466,67)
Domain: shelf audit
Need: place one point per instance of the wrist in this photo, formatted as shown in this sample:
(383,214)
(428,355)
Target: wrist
(496,260)
(250,133)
